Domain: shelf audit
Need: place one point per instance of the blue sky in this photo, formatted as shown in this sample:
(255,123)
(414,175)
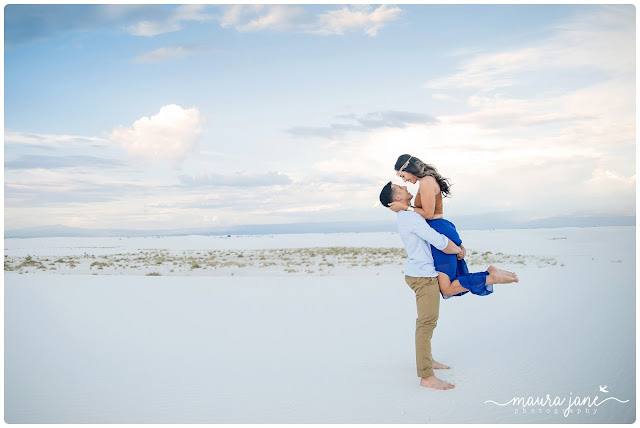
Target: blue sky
(180,116)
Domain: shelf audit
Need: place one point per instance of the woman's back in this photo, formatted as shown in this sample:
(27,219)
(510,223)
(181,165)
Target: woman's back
(429,186)
(439,209)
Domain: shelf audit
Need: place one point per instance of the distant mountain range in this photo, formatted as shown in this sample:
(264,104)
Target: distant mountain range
(252,229)
(508,221)
(478,222)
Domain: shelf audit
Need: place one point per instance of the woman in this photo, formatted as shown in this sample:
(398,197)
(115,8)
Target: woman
(428,203)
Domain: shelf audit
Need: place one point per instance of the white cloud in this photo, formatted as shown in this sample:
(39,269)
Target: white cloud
(356,18)
(239,179)
(490,71)
(295,18)
(368,121)
(191,12)
(170,134)
(169,52)
(261,17)
(52,140)
(597,40)
(599,117)
(173,22)
(153,28)
(64,161)
(543,174)
(445,97)
(605,181)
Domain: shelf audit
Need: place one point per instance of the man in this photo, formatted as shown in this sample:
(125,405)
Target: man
(421,276)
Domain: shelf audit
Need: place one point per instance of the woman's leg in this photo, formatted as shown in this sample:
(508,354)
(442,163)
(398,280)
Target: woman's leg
(448,288)
(457,271)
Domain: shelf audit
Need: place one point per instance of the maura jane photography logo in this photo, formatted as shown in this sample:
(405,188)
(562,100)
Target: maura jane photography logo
(566,405)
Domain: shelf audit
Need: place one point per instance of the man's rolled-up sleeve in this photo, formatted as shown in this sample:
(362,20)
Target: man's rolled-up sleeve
(421,228)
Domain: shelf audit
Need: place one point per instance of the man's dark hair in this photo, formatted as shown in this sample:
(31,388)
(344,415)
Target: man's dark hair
(386,196)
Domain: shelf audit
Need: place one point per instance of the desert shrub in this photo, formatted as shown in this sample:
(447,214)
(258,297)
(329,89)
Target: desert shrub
(99,265)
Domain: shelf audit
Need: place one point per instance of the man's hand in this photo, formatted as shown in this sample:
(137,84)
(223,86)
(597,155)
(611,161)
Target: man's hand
(451,248)
(398,206)
(462,253)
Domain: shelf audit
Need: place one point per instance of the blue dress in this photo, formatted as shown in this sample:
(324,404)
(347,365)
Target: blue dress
(457,269)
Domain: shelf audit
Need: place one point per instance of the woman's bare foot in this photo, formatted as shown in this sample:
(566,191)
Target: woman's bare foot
(435,383)
(499,276)
(511,274)
(437,365)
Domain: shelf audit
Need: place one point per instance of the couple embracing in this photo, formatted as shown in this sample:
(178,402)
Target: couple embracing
(436,256)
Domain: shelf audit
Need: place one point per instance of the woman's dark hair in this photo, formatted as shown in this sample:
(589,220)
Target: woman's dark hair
(420,169)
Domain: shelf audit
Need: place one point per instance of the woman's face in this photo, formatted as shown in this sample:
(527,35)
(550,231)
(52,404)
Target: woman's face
(406,176)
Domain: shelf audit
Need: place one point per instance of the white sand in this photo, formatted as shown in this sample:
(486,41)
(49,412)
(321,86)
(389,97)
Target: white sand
(321,348)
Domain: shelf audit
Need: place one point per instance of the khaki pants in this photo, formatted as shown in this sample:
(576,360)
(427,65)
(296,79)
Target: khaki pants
(428,302)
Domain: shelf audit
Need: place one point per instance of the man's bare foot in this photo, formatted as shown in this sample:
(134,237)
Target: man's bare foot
(499,276)
(435,383)
(437,365)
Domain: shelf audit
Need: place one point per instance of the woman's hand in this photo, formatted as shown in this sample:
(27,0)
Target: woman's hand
(462,253)
(398,206)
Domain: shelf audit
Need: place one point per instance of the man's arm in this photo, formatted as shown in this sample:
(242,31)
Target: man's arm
(451,248)
(438,240)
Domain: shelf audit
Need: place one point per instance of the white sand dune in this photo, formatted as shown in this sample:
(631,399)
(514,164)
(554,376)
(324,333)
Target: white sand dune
(331,348)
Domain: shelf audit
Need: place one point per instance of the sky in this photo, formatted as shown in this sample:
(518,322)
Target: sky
(196,116)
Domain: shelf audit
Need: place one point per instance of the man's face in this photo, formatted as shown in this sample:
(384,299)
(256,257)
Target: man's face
(400,193)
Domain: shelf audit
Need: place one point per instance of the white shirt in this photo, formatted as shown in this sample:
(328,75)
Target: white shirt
(417,236)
